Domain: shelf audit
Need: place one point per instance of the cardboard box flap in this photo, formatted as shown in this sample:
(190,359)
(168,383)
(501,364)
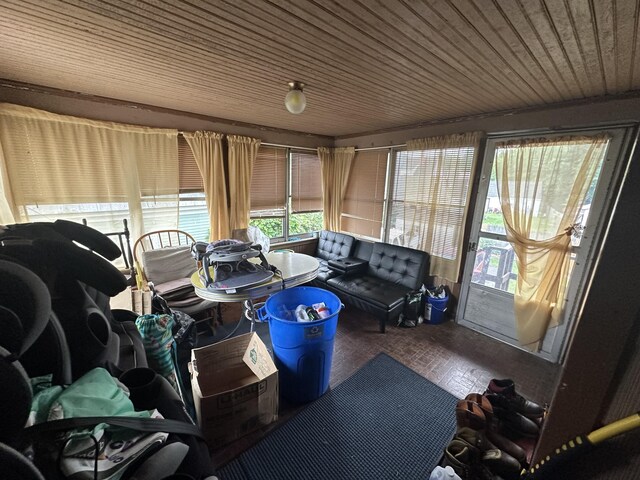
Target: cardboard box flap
(227,355)
(258,359)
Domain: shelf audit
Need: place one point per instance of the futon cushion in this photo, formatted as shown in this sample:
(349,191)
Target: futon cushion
(324,272)
(164,264)
(398,265)
(383,294)
(332,245)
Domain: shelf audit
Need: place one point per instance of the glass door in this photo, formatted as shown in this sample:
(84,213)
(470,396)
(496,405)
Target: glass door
(491,274)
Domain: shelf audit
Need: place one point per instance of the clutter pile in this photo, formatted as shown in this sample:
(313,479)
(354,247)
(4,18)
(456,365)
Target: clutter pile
(434,292)
(304,313)
(81,398)
(426,305)
(436,300)
(495,434)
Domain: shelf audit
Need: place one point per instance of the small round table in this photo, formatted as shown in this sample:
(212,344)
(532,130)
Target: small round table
(296,268)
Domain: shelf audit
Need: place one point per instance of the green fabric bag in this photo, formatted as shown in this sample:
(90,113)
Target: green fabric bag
(79,451)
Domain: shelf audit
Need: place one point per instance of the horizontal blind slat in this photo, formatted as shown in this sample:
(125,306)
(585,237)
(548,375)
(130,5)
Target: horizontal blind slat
(190,176)
(306,182)
(53,162)
(363,205)
(268,181)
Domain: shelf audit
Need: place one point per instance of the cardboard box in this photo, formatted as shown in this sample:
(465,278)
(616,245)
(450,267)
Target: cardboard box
(235,388)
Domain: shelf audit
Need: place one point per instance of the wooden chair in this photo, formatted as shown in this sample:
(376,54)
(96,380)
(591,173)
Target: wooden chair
(163,262)
(156,240)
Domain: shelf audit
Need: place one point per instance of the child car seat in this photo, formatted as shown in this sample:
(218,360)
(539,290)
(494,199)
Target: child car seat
(55,317)
(24,313)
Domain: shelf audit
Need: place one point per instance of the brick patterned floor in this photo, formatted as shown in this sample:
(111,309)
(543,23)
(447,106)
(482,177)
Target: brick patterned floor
(456,358)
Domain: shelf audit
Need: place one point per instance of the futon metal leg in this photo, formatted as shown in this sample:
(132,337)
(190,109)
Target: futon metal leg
(383,325)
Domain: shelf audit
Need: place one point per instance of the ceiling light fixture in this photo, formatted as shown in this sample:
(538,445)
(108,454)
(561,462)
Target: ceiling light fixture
(295,101)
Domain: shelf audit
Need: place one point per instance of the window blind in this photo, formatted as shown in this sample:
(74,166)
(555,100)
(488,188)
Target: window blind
(306,182)
(430,198)
(269,180)
(56,159)
(190,177)
(363,205)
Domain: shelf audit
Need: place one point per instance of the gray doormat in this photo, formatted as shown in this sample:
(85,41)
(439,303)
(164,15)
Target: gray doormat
(384,422)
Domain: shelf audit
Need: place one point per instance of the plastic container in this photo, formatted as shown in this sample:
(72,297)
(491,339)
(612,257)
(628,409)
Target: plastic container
(444,473)
(435,309)
(302,351)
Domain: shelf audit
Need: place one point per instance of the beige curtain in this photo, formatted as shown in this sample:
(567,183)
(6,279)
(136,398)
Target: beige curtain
(7,207)
(432,190)
(542,185)
(207,151)
(335,165)
(242,154)
(55,160)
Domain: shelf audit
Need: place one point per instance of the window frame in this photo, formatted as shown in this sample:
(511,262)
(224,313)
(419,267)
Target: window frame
(390,154)
(288,210)
(303,235)
(392,190)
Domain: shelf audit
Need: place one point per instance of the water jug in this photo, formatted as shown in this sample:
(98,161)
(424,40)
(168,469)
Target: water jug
(444,473)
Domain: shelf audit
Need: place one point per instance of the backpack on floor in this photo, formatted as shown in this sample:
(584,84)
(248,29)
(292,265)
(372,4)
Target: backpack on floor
(411,315)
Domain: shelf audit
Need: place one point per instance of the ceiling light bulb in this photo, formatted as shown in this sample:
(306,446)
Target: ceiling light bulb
(295,101)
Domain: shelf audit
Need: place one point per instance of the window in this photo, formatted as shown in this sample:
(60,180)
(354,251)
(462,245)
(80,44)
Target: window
(72,168)
(268,191)
(363,205)
(430,199)
(193,216)
(431,189)
(286,193)
(158,211)
(306,194)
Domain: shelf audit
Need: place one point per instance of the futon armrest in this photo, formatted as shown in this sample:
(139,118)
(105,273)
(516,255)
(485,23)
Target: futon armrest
(348,265)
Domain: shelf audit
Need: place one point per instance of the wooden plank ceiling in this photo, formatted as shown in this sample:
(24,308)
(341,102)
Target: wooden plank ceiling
(369,64)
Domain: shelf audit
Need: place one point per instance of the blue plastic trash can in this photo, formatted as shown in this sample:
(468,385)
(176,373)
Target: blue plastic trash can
(438,308)
(302,351)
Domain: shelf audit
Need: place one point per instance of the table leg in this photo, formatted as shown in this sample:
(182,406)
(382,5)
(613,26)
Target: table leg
(250,313)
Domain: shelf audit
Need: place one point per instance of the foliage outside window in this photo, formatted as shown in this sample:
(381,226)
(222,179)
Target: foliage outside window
(304,223)
(273,227)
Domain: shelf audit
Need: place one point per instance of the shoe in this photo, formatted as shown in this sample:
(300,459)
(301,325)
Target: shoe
(511,423)
(491,430)
(498,461)
(477,438)
(516,402)
(502,464)
(466,461)
(469,414)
